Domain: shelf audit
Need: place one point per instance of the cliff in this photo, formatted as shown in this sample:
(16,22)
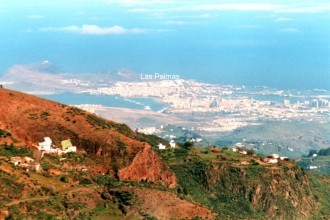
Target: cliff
(279,193)
(243,187)
(147,166)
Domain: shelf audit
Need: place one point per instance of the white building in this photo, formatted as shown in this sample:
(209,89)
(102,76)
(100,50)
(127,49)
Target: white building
(46,145)
(239,145)
(198,140)
(149,130)
(287,103)
(28,160)
(270,160)
(161,146)
(172,144)
(311,167)
(275,156)
(16,160)
(67,147)
(243,152)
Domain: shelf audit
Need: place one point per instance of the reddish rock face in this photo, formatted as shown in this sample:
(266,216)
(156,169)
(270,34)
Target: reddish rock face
(148,166)
(24,117)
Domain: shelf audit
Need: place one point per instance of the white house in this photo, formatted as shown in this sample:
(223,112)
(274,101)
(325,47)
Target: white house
(198,140)
(234,149)
(149,130)
(67,147)
(283,158)
(270,160)
(34,166)
(243,152)
(239,145)
(172,144)
(16,160)
(28,160)
(161,146)
(275,156)
(71,149)
(46,145)
(31,166)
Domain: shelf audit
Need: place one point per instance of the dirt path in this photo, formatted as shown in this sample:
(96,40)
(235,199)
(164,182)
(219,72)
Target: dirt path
(80,189)
(18,201)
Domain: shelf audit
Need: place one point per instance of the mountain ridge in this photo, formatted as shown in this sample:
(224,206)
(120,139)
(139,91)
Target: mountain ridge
(29,119)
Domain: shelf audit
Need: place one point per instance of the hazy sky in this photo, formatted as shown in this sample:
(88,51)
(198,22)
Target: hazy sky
(276,43)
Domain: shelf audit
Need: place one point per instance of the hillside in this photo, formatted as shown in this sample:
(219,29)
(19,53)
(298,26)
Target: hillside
(319,164)
(25,120)
(94,183)
(292,139)
(239,186)
(120,174)
(64,189)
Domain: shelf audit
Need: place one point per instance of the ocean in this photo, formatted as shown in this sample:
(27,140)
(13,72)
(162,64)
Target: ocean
(106,100)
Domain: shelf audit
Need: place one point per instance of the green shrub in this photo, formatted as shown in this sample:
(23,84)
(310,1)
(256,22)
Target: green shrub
(44,115)
(85,181)
(45,166)
(12,151)
(64,179)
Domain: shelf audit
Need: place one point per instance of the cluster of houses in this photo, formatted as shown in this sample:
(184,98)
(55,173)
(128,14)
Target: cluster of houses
(312,167)
(239,150)
(274,158)
(66,147)
(163,147)
(195,140)
(26,162)
(44,147)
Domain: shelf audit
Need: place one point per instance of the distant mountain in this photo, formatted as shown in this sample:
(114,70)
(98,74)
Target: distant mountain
(46,78)
(37,78)
(44,67)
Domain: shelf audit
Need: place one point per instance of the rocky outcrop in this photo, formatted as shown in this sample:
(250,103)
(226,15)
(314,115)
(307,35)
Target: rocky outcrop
(280,193)
(167,205)
(148,166)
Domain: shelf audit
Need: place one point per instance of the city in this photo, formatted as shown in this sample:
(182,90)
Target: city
(227,106)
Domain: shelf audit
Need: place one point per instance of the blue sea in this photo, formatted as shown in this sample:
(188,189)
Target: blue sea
(106,100)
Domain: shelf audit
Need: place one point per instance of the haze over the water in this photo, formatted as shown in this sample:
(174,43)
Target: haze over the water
(283,44)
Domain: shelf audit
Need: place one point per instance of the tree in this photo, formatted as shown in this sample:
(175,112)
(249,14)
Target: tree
(250,151)
(311,153)
(324,152)
(188,145)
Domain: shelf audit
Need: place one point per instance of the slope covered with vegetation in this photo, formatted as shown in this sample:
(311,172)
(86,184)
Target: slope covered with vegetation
(243,186)
(66,189)
(120,174)
(292,139)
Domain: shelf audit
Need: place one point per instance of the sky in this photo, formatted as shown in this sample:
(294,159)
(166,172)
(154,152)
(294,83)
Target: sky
(283,44)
